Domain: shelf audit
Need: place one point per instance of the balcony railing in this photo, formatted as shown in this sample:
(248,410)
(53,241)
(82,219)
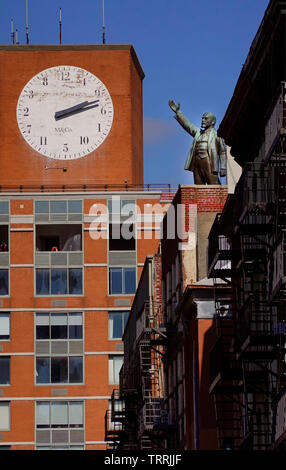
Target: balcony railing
(253,193)
(129,380)
(88,187)
(255,323)
(113,429)
(275,129)
(277,269)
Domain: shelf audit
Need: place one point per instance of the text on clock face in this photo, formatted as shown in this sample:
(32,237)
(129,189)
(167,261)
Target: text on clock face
(76,98)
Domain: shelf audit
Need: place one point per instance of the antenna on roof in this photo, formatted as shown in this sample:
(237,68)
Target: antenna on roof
(60,23)
(103,27)
(27,27)
(12,32)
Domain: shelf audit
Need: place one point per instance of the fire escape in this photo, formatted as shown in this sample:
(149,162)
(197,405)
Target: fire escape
(225,370)
(143,422)
(275,160)
(250,355)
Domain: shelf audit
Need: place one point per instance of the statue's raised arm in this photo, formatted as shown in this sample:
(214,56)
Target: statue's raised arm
(207,155)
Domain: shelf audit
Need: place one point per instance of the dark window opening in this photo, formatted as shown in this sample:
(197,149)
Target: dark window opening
(4,238)
(121,237)
(59,237)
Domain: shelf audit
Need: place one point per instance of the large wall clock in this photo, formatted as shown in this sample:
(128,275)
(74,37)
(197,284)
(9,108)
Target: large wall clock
(65,112)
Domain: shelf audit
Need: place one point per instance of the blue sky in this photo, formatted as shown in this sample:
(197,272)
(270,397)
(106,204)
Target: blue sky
(190,51)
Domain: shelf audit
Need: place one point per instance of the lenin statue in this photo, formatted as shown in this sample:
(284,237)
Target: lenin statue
(207,155)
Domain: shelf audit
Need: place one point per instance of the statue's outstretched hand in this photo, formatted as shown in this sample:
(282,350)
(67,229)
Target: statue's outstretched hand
(174,106)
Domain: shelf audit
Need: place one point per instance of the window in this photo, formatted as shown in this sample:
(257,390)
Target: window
(59,425)
(56,237)
(4,370)
(4,282)
(4,416)
(59,281)
(114,366)
(58,210)
(59,348)
(4,326)
(116,324)
(124,207)
(122,280)
(121,237)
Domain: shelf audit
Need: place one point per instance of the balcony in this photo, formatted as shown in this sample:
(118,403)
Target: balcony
(277,270)
(129,380)
(275,132)
(253,196)
(224,370)
(255,330)
(279,421)
(114,430)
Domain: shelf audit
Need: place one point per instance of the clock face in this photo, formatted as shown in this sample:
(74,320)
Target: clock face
(65,112)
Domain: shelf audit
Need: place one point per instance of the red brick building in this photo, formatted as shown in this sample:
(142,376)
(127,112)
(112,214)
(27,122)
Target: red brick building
(66,285)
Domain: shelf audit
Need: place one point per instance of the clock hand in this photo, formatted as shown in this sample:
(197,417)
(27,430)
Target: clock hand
(75,109)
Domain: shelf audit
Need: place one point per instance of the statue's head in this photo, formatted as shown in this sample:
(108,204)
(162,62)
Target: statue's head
(208,120)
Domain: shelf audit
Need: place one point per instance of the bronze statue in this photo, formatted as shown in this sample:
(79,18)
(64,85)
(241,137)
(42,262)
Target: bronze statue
(207,155)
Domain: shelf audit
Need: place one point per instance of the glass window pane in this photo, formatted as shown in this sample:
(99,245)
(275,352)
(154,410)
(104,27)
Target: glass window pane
(58,281)
(59,414)
(42,370)
(75,371)
(59,326)
(75,325)
(115,325)
(3,281)
(114,205)
(115,282)
(76,414)
(41,207)
(75,281)
(59,369)
(43,414)
(42,326)
(75,207)
(4,370)
(4,326)
(4,416)
(129,280)
(118,361)
(58,207)
(42,281)
(127,206)
(4,207)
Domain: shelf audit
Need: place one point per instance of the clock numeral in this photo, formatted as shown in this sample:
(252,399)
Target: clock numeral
(103,111)
(65,148)
(45,81)
(99,129)
(43,140)
(29,128)
(31,94)
(26,112)
(97,93)
(84,140)
(65,76)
